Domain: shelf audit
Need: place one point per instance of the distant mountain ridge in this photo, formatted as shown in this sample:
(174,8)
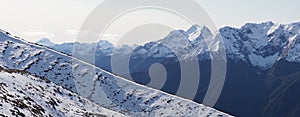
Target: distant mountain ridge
(260,45)
(45,42)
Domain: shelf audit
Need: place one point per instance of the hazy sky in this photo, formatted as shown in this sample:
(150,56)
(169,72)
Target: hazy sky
(59,20)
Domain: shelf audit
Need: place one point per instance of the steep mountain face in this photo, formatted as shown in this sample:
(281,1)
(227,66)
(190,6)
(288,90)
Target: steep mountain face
(101,87)
(263,44)
(283,80)
(261,59)
(22,94)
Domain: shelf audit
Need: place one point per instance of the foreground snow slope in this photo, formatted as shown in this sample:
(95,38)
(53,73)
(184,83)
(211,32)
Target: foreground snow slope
(23,94)
(101,87)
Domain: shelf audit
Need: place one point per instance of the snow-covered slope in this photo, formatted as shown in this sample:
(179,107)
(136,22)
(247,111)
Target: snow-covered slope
(101,87)
(22,94)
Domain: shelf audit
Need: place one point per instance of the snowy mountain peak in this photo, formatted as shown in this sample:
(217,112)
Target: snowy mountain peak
(177,33)
(294,27)
(256,25)
(105,43)
(262,44)
(193,28)
(45,42)
(258,31)
(197,33)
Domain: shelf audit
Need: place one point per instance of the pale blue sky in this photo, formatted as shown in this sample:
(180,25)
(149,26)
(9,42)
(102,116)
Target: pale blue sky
(237,12)
(60,19)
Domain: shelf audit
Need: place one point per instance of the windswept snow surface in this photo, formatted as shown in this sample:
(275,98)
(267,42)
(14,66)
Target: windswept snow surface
(101,87)
(22,94)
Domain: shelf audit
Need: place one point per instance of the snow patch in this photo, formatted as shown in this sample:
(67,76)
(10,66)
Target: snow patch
(262,62)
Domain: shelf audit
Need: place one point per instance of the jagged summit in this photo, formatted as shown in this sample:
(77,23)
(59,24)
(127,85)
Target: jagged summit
(197,33)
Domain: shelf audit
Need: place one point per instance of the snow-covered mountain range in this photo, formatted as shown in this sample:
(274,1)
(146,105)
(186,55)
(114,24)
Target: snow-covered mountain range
(99,86)
(263,44)
(260,45)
